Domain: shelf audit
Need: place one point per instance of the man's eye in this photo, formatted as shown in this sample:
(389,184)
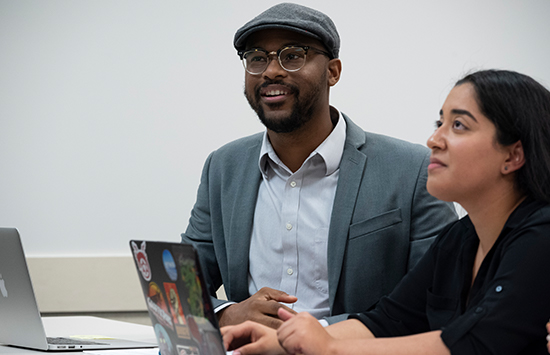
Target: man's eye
(291,56)
(256,59)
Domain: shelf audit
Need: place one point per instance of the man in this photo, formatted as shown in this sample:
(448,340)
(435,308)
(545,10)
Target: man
(314,207)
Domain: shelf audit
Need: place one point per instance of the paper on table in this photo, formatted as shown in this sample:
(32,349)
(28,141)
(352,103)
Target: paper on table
(151,351)
(91,337)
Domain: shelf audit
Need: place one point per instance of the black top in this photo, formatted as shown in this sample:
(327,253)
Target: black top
(506,309)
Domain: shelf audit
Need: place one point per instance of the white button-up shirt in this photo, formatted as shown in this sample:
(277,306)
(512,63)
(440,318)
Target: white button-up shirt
(288,249)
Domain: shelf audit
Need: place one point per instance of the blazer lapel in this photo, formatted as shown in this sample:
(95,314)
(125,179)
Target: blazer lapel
(352,165)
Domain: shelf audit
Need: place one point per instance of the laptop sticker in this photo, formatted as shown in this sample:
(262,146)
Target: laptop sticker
(169,265)
(193,286)
(157,305)
(165,345)
(187,350)
(142,261)
(176,309)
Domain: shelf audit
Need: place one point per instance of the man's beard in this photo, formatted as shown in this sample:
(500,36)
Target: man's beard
(302,110)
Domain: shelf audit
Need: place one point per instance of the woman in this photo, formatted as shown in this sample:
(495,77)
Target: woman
(484,285)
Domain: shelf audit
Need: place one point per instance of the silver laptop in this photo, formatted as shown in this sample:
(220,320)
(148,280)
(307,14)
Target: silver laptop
(20,321)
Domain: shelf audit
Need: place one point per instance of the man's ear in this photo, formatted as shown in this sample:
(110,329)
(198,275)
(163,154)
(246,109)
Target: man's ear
(334,71)
(515,159)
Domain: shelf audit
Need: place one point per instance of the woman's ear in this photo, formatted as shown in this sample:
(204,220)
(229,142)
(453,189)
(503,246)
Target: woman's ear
(515,160)
(334,71)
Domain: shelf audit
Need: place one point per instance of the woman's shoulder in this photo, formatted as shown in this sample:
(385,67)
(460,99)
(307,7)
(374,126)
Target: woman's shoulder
(527,231)
(530,214)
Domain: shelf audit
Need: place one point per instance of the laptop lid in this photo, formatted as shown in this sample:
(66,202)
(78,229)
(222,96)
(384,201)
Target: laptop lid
(175,292)
(20,321)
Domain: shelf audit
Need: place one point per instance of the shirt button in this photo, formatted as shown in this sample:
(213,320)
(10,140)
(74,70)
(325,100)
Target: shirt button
(498,289)
(293,184)
(288,226)
(289,271)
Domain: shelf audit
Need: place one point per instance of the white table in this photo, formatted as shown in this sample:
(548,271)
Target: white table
(85,325)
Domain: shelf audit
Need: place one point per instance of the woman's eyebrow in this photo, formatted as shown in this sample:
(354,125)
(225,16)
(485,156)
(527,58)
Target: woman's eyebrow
(459,112)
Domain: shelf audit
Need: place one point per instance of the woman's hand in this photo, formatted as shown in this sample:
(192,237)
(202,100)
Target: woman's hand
(303,334)
(251,338)
(299,334)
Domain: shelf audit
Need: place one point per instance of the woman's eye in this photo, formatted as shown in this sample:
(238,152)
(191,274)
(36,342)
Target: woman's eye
(458,124)
(438,124)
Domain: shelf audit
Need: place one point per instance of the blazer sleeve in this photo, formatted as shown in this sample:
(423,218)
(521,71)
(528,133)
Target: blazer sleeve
(199,234)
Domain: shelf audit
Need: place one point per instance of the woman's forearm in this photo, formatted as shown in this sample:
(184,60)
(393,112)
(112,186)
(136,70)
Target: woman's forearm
(349,329)
(419,344)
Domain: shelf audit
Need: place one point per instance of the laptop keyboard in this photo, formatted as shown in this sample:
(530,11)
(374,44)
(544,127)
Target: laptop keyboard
(69,341)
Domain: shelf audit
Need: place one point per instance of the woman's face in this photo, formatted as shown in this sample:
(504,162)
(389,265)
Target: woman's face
(466,161)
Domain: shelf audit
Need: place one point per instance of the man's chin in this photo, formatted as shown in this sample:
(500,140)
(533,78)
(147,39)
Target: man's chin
(281,124)
(279,118)
(275,117)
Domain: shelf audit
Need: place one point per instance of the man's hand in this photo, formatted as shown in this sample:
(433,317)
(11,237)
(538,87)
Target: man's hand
(261,307)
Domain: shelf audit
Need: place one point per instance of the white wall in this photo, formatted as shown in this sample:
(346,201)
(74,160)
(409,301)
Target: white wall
(109,108)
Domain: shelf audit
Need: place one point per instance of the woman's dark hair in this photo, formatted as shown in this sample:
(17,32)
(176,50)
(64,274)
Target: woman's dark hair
(519,107)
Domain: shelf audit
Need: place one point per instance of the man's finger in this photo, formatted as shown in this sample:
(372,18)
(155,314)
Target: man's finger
(265,307)
(276,295)
(268,313)
(289,310)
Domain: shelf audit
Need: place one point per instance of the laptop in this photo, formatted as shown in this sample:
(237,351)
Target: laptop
(177,299)
(20,320)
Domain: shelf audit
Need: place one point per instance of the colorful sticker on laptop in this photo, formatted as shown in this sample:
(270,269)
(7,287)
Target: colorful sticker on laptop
(157,305)
(188,350)
(142,261)
(165,345)
(193,285)
(177,312)
(169,265)
(174,302)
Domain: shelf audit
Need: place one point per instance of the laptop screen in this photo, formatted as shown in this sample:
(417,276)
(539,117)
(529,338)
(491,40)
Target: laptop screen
(176,297)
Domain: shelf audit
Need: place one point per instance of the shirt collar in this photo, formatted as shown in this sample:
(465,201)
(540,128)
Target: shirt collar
(527,207)
(330,150)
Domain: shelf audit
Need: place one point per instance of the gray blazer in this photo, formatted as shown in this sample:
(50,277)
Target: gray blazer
(383,218)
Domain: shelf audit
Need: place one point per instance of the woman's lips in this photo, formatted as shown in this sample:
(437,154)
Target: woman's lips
(435,163)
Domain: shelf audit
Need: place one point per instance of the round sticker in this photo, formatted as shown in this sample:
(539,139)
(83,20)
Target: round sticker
(169,265)
(165,345)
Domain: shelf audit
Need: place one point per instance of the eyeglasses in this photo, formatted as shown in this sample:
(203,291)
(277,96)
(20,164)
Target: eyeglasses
(291,59)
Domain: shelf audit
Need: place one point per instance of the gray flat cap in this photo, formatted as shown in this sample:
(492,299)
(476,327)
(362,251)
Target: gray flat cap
(296,18)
